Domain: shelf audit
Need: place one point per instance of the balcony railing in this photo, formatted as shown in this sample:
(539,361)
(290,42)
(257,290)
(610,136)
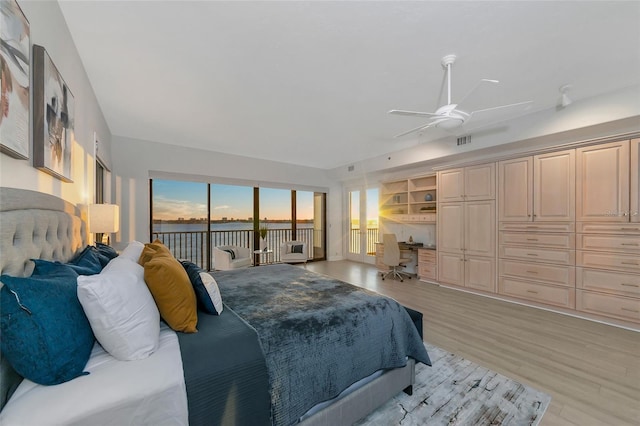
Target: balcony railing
(372,239)
(192,245)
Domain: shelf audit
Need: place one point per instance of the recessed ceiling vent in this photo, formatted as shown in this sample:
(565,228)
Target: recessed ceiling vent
(464,140)
(350,168)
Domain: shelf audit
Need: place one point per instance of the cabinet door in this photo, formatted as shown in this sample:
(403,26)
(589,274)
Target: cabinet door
(450,268)
(635,181)
(602,182)
(480,182)
(480,273)
(480,228)
(554,186)
(451,185)
(515,190)
(451,227)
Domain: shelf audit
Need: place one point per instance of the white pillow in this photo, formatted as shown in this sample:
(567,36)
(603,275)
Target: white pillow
(122,313)
(214,292)
(132,251)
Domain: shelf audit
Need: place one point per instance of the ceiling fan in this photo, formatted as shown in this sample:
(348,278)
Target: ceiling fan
(449,116)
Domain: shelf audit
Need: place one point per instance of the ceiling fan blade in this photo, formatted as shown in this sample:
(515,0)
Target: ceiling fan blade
(474,88)
(413,113)
(417,129)
(517,107)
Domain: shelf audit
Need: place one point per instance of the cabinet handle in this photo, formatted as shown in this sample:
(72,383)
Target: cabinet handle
(532,227)
(532,239)
(629,244)
(532,272)
(532,254)
(630,285)
(531,291)
(629,310)
(630,263)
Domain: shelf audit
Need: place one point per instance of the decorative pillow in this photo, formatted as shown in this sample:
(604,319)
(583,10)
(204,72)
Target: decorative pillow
(206,288)
(120,309)
(171,289)
(45,334)
(132,251)
(231,252)
(87,262)
(151,249)
(296,248)
(105,253)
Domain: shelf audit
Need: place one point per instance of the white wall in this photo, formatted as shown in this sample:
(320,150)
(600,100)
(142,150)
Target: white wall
(135,161)
(49,29)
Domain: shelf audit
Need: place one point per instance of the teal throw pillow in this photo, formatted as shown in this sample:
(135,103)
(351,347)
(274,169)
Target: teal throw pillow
(46,336)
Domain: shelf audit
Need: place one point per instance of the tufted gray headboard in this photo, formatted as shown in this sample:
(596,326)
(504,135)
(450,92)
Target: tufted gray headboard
(34,225)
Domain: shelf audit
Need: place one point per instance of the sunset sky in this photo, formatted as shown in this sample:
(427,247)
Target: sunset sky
(174,199)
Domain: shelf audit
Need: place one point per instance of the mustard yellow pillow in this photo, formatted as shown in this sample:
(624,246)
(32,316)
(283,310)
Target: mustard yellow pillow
(172,291)
(150,249)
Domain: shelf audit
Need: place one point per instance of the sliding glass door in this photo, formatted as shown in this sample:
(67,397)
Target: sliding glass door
(363,224)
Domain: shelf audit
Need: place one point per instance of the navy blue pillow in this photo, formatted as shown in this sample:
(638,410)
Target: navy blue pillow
(46,336)
(105,253)
(85,263)
(204,301)
(296,248)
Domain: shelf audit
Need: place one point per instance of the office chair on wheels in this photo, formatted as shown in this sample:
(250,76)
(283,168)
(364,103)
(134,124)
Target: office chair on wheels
(392,258)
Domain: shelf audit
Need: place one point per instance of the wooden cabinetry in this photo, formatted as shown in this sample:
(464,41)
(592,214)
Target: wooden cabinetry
(536,212)
(537,188)
(604,182)
(467,183)
(409,200)
(427,265)
(608,269)
(466,244)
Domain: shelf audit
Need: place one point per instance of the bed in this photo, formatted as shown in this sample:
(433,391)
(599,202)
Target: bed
(279,353)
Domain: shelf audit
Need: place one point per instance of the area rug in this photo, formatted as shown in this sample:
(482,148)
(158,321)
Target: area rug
(456,391)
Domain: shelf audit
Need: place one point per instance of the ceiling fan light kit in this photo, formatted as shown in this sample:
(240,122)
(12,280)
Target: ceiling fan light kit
(449,116)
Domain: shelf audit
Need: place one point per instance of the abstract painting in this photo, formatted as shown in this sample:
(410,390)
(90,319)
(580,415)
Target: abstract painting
(53,118)
(14,80)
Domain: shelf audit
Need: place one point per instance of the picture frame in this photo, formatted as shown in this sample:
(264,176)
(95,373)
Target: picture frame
(15,63)
(53,118)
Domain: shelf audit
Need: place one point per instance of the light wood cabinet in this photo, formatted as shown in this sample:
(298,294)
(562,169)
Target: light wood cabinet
(537,188)
(467,183)
(634,184)
(466,244)
(427,265)
(603,182)
(409,200)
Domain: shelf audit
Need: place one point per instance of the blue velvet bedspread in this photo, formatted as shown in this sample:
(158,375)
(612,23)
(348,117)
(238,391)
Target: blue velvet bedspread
(319,335)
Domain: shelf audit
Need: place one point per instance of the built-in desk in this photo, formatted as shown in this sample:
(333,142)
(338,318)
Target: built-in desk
(411,249)
(423,260)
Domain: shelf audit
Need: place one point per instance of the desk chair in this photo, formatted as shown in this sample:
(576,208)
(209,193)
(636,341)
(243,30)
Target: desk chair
(392,258)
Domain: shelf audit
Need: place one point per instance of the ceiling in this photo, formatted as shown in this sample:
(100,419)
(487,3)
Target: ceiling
(310,83)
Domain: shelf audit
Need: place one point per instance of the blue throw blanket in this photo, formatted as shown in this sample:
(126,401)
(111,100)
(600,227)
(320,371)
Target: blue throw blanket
(319,335)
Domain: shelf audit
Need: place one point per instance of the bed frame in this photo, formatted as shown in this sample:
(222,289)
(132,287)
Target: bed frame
(35,225)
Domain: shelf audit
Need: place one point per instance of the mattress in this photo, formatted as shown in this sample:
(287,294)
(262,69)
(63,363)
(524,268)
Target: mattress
(143,392)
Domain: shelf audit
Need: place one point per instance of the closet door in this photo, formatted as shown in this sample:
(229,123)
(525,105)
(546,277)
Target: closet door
(515,190)
(451,227)
(480,182)
(451,185)
(480,228)
(554,186)
(602,182)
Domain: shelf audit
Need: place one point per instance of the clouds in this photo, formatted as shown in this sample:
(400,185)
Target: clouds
(168,209)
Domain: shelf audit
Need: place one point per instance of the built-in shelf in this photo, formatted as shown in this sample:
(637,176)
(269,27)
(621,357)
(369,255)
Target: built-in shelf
(409,200)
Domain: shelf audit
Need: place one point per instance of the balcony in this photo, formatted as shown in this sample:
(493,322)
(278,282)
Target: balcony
(192,245)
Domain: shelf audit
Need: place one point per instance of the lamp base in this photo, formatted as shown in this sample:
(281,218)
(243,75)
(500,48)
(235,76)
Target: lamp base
(105,239)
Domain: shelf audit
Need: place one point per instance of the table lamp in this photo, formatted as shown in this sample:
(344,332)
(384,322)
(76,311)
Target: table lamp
(104,219)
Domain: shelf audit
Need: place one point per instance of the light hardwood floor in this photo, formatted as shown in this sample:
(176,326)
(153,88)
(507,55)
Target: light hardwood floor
(591,370)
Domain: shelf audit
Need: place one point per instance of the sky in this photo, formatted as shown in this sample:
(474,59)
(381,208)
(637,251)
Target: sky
(176,199)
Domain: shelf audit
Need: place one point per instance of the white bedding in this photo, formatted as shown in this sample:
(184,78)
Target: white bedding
(142,392)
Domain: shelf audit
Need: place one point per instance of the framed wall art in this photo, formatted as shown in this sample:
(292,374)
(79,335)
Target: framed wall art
(15,62)
(53,118)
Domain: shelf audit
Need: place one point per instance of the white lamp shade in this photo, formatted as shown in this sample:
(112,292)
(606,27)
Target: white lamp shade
(104,218)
